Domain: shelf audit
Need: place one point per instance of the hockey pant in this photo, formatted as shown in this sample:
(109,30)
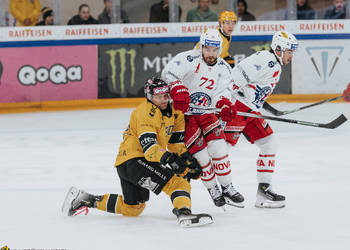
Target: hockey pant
(204,139)
(258,132)
(138,177)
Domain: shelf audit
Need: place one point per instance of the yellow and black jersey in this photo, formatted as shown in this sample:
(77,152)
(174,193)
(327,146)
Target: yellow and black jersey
(226,41)
(152,132)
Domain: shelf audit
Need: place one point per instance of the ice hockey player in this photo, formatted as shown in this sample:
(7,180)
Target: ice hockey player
(254,79)
(227,23)
(152,157)
(346,94)
(198,76)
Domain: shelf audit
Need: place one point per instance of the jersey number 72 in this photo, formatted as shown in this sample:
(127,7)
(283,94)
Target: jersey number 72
(210,83)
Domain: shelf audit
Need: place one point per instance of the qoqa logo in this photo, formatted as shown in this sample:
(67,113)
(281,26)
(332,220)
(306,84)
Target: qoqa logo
(57,74)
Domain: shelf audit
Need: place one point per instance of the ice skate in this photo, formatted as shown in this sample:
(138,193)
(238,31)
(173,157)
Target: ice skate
(216,195)
(232,196)
(266,198)
(78,201)
(185,218)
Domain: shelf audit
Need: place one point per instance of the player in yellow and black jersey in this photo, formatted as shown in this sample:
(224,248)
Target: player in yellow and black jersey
(152,157)
(227,22)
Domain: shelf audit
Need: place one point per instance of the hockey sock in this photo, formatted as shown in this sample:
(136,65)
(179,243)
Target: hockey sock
(221,163)
(266,160)
(222,168)
(208,176)
(179,191)
(114,203)
(109,203)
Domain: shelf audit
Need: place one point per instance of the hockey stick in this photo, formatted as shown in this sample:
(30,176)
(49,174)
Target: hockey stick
(330,125)
(276,112)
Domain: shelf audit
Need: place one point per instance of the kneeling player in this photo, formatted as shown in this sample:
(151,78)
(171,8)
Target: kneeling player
(152,157)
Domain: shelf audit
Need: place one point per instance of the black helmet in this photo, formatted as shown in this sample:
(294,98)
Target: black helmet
(155,86)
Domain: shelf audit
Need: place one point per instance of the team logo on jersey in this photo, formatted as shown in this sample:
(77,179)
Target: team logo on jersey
(199,142)
(200,99)
(261,94)
(147,183)
(271,64)
(258,67)
(189,58)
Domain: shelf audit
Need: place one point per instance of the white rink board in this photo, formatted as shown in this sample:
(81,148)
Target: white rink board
(321,67)
(43,154)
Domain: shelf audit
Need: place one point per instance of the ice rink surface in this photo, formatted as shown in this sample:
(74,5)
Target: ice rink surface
(43,154)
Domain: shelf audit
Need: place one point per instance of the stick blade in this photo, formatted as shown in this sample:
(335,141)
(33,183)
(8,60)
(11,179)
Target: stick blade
(335,123)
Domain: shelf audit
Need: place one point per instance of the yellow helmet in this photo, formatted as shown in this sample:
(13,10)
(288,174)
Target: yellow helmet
(227,16)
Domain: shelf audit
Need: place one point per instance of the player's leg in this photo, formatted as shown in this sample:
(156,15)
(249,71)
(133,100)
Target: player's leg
(222,167)
(179,190)
(197,147)
(151,176)
(260,133)
(218,151)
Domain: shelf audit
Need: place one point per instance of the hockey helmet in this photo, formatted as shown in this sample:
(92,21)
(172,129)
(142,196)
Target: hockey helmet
(283,40)
(155,86)
(227,16)
(212,38)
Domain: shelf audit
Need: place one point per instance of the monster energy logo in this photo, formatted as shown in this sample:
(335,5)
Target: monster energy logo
(258,48)
(122,52)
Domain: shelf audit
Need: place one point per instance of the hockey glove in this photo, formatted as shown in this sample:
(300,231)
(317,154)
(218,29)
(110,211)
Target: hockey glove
(228,111)
(195,170)
(346,94)
(181,97)
(177,164)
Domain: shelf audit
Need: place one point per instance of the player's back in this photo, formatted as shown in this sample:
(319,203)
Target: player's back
(256,76)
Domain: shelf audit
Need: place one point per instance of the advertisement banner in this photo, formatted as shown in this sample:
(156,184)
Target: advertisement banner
(161,30)
(123,69)
(320,67)
(48,73)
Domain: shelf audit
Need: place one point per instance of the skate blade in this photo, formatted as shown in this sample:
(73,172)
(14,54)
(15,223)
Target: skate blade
(231,203)
(270,204)
(71,195)
(196,222)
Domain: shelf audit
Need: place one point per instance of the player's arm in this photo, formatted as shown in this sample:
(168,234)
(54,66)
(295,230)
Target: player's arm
(175,70)
(176,142)
(147,135)
(173,73)
(176,145)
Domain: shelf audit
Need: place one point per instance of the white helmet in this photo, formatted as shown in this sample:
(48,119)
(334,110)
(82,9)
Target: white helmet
(211,37)
(284,40)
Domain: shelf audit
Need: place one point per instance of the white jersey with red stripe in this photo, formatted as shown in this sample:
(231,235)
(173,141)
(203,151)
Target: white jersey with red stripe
(205,83)
(255,77)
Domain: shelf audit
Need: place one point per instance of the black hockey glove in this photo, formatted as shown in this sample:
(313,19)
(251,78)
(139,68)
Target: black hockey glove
(177,163)
(195,170)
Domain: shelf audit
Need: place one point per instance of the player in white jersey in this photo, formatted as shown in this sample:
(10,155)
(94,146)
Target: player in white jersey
(254,79)
(199,76)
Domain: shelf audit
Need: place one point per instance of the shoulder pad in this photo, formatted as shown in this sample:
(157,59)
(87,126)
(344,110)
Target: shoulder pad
(222,62)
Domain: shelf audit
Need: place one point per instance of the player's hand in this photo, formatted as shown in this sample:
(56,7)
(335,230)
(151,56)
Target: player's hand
(177,163)
(181,97)
(223,102)
(346,94)
(195,170)
(228,111)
